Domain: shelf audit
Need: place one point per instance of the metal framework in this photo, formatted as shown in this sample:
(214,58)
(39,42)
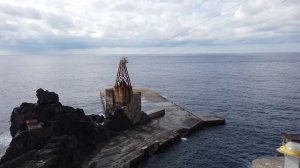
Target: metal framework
(122,75)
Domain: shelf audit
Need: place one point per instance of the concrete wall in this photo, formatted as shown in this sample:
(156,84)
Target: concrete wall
(122,95)
(109,98)
(148,150)
(156,113)
(132,108)
(133,111)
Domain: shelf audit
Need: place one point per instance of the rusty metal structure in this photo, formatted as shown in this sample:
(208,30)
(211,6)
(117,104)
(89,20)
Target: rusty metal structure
(123,96)
(122,75)
(122,88)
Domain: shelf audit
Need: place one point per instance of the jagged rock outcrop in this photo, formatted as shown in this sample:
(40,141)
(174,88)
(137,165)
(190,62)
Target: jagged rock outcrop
(98,119)
(48,134)
(46,97)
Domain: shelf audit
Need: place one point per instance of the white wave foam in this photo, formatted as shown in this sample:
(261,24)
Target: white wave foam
(184,139)
(5,139)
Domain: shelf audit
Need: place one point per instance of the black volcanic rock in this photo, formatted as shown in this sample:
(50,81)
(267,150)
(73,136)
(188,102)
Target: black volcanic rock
(117,121)
(25,142)
(57,135)
(46,97)
(97,118)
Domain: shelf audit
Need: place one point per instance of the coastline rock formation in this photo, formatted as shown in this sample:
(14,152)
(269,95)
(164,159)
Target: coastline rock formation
(47,134)
(117,121)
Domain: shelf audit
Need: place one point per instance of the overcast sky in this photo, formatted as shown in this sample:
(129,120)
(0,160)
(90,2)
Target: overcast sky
(149,26)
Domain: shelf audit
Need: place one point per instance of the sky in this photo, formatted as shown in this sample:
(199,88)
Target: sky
(148,26)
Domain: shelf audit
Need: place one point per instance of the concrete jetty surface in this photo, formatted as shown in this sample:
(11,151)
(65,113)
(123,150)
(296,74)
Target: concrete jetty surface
(138,143)
(269,162)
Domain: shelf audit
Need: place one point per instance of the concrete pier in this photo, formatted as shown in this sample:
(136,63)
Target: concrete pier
(138,143)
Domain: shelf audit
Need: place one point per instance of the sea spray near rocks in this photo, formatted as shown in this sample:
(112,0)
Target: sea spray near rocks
(5,139)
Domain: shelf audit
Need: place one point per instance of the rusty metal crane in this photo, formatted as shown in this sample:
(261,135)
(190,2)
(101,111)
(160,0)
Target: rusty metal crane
(123,88)
(123,78)
(123,96)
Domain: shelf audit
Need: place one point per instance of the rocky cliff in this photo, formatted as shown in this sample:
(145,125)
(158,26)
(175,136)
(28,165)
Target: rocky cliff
(47,134)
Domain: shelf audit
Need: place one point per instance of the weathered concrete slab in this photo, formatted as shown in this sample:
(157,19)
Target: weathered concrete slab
(156,113)
(270,162)
(175,116)
(212,120)
(138,143)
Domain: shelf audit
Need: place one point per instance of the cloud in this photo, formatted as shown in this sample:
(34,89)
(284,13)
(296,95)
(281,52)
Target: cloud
(24,12)
(90,24)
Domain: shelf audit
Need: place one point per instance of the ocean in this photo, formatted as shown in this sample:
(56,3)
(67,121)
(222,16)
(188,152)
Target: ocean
(257,94)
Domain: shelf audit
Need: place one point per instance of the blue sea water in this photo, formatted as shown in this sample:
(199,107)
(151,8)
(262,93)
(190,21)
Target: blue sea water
(258,94)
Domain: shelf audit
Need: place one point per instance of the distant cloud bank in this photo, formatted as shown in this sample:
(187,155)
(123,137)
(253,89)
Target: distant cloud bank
(149,26)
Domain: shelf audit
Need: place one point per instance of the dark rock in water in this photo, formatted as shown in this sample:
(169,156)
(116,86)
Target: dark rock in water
(97,118)
(24,142)
(118,121)
(46,97)
(48,132)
